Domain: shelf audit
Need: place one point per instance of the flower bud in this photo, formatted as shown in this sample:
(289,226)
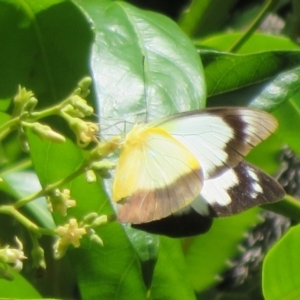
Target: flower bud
(45,132)
(96,239)
(90,176)
(105,148)
(37,254)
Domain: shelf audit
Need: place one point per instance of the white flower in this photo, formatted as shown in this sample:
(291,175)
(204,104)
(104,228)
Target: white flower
(69,234)
(60,201)
(14,256)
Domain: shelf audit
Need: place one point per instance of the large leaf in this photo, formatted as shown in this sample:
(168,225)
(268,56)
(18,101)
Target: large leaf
(144,66)
(262,80)
(19,289)
(171,279)
(281,273)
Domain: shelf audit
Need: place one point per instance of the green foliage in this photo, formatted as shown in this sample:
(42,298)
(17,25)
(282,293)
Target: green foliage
(280,270)
(143,67)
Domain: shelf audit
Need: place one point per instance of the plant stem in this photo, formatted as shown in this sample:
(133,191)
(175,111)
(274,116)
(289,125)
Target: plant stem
(10,210)
(49,188)
(249,32)
(288,207)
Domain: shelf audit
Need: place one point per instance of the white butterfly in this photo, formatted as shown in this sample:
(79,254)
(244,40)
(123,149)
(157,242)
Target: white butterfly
(190,164)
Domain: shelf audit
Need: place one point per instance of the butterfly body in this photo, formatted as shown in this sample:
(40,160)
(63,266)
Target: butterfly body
(191,164)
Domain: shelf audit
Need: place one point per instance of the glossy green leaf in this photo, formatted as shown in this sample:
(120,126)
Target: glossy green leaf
(206,255)
(170,278)
(261,80)
(146,246)
(281,273)
(144,66)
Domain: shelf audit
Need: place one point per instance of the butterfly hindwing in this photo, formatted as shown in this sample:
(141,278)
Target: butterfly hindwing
(239,189)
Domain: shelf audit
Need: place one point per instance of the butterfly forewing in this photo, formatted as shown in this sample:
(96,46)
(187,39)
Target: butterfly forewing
(220,137)
(155,177)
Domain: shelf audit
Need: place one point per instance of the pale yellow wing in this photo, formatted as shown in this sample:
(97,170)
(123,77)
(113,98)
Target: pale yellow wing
(156,176)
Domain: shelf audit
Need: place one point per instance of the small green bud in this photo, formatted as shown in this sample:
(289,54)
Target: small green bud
(31,104)
(105,148)
(89,218)
(96,239)
(37,254)
(81,105)
(103,165)
(20,99)
(85,83)
(101,220)
(90,176)
(45,132)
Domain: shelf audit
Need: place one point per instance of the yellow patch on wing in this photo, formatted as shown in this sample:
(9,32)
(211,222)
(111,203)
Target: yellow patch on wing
(156,176)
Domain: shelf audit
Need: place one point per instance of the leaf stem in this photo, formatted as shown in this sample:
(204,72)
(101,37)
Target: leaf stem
(10,210)
(270,4)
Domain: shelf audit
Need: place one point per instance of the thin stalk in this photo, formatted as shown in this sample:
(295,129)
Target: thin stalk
(288,207)
(49,188)
(10,210)
(253,26)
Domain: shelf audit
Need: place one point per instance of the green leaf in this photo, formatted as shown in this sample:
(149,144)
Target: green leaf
(281,273)
(47,56)
(288,117)
(144,66)
(170,278)
(206,255)
(261,80)
(19,288)
(205,17)
(146,246)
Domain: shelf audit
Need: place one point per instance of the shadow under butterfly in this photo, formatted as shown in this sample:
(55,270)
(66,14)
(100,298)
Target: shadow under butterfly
(175,175)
